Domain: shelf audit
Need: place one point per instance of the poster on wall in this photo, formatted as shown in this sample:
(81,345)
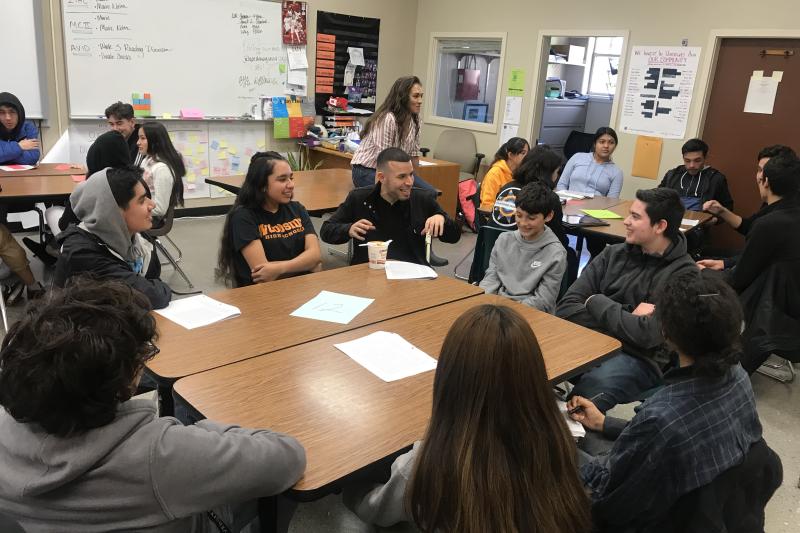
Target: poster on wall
(658,91)
(294,22)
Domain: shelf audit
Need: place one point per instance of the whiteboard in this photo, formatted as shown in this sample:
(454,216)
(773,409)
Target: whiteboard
(21,55)
(218,56)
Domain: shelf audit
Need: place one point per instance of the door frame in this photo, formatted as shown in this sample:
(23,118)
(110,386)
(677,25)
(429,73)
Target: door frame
(708,66)
(536,103)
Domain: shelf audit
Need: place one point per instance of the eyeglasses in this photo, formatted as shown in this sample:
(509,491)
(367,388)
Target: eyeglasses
(151,350)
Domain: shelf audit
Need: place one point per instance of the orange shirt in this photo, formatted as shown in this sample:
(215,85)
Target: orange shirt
(497,176)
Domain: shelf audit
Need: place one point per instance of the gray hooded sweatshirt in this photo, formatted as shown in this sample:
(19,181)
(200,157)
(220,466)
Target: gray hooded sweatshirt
(139,473)
(529,272)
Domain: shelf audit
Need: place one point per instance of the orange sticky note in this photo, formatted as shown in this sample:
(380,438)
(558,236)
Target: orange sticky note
(77,178)
(62,166)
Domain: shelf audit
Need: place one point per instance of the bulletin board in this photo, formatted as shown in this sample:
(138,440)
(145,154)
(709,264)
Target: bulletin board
(339,69)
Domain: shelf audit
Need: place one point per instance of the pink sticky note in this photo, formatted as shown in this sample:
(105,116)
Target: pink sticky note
(62,166)
(77,178)
(191,112)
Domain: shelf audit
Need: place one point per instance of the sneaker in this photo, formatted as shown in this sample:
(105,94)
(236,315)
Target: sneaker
(16,292)
(39,251)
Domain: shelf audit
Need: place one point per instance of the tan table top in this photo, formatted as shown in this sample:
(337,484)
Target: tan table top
(347,418)
(574,207)
(15,185)
(318,190)
(348,155)
(46,169)
(265,325)
(616,227)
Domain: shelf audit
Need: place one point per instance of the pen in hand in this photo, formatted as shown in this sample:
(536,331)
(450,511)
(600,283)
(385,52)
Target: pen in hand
(579,408)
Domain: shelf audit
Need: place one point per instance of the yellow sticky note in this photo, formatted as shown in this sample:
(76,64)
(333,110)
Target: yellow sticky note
(223,144)
(222,155)
(198,161)
(190,178)
(187,150)
(193,138)
(232,150)
(166,115)
(261,145)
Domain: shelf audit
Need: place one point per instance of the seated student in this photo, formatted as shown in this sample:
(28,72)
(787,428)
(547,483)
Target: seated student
(120,118)
(19,138)
(702,423)
(506,161)
(391,209)
(773,235)
(594,172)
(696,182)
(497,455)
(15,259)
(614,295)
(114,208)
(528,264)
(79,454)
(267,235)
(163,168)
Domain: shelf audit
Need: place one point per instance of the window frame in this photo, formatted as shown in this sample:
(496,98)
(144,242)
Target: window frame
(432,81)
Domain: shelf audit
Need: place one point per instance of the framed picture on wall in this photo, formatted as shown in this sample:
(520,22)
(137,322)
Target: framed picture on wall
(476,112)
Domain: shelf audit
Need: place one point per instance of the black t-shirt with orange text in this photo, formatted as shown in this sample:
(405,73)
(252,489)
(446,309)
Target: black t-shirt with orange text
(282,234)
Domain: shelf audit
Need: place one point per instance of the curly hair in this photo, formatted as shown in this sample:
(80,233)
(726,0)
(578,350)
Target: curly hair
(69,362)
(701,317)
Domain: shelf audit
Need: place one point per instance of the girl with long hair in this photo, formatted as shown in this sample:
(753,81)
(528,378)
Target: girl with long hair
(497,455)
(267,235)
(506,161)
(594,172)
(163,168)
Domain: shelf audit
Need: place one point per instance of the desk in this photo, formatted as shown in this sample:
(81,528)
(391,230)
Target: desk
(319,191)
(442,175)
(42,188)
(45,169)
(615,231)
(265,324)
(347,418)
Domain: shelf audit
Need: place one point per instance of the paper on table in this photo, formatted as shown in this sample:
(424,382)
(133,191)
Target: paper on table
(333,307)
(404,270)
(689,222)
(388,355)
(426,163)
(356,56)
(198,311)
(601,213)
(576,428)
(297,57)
(12,168)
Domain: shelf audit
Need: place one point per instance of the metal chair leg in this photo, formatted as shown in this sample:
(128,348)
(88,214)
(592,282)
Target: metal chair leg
(471,253)
(180,253)
(774,370)
(174,263)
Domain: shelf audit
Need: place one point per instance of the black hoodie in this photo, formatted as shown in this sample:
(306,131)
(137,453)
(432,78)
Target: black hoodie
(10,100)
(708,184)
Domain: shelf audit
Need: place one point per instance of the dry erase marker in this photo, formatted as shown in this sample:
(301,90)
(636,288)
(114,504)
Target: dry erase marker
(428,247)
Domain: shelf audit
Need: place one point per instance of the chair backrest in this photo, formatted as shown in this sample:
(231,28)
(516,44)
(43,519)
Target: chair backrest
(577,142)
(487,236)
(166,224)
(458,146)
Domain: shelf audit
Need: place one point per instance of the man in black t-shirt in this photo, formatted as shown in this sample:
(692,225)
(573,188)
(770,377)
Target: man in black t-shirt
(391,209)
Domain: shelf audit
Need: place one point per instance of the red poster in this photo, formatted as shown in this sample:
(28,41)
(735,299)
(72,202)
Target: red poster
(297,128)
(294,22)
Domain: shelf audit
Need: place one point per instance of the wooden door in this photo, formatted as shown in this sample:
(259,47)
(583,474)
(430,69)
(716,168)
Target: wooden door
(735,137)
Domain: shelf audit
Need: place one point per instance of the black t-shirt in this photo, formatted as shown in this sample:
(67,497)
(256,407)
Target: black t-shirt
(393,223)
(282,234)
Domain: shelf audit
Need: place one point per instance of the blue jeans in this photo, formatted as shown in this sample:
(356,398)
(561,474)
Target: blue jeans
(365,177)
(621,379)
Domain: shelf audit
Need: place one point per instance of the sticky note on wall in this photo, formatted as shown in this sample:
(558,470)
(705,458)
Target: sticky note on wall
(294,109)
(280,128)
(279,109)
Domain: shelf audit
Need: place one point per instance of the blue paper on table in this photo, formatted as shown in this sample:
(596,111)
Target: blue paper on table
(279,109)
(333,307)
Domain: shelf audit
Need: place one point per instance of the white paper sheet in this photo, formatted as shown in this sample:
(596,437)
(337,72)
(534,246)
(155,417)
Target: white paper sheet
(349,74)
(761,95)
(576,428)
(405,270)
(689,222)
(60,151)
(507,132)
(197,311)
(297,57)
(333,307)
(356,56)
(15,168)
(426,163)
(388,355)
(513,110)
(297,77)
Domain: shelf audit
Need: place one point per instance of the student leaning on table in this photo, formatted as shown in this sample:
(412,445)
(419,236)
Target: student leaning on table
(497,455)
(80,455)
(266,234)
(114,207)
(506,161)
(391,209)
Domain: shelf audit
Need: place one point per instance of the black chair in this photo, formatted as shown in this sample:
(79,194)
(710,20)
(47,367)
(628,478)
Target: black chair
(487,236)
(578,142)
(163,231)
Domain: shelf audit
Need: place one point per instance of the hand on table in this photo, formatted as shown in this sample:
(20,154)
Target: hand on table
(584,411)
(266,272)
(644,309)
(711,264)
(434,226)
(713,207)
(29,144)
(359,229)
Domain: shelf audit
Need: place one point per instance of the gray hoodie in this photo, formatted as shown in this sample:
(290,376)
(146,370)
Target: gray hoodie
(138,473)
(529,272)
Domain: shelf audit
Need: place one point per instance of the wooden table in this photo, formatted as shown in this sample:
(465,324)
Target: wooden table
(265,324)
(320,191)
(347,418)
(46,169)
(615,231)
(574,207)
(442,175)
(38,188)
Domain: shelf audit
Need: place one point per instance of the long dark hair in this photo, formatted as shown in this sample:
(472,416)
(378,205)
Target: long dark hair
(539,164)
(396,103)
(252,195)
(512,146)
(160,148)
(497,455)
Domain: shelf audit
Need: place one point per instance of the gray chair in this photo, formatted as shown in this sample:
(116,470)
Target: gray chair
(458,146)
(163,232)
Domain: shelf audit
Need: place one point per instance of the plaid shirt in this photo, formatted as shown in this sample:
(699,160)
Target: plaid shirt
(681,438)
(384,134)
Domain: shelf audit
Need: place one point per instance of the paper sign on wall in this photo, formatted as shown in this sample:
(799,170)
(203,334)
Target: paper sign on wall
(762,91)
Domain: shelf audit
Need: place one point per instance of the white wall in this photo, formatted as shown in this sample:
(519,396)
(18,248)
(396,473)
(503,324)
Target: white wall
(648,23)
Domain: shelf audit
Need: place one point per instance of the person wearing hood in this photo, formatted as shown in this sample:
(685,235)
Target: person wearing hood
(695,181)
(80,455)
(114,207)
(614,295)
(19,138)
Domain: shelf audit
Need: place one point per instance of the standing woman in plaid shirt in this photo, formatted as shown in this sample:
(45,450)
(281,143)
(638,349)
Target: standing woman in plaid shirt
(394,125)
